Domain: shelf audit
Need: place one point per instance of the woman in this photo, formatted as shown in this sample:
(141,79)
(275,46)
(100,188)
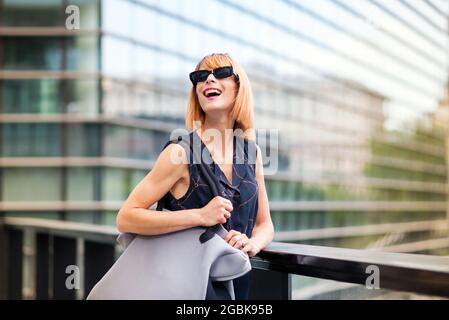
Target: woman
(220,101)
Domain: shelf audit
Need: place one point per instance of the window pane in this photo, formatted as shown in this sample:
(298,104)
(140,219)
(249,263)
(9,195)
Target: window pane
(83,140)
(48,13)
(117,142)
(115,97)
(80,186)
(82,53)
(32,13)
(49,96)
(115,184)
(82,96)
(133,143)
(28,53)
(116,16)
(117,64)
(31,184)
(89,13)
(31,139)
(30,96)
(42,53)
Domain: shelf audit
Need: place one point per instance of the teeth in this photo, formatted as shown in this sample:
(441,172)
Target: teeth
(211,92)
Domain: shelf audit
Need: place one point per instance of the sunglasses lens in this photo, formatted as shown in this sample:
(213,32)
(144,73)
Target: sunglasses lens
(223,72)
(199,76)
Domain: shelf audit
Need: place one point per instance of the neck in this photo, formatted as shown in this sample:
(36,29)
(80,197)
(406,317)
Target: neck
(223,127)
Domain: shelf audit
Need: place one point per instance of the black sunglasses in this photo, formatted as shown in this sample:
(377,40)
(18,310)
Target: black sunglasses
(219,73)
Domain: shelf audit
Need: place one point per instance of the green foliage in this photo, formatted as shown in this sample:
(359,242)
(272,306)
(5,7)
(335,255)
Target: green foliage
(424,147)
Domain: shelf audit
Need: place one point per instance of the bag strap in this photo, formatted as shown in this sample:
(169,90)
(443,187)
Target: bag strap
(209,176)
(213,183)
(161,203)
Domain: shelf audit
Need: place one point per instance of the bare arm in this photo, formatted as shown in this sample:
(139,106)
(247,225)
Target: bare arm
(134,216)
(263,232)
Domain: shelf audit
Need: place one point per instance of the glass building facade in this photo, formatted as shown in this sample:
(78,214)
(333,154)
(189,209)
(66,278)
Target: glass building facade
(351,85)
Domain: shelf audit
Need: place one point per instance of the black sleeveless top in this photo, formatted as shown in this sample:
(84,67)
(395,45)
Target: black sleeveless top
(242,191)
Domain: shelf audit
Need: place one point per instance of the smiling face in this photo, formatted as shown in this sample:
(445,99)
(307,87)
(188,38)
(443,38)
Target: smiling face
(216,94)
(233,97)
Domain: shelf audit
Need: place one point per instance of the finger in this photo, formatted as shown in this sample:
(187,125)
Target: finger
(245,238)
(238,244)
(225,212)
(246,249)
(230,234)
(228,206)
(227,203)
(234,240)
(225,200)
(242,238)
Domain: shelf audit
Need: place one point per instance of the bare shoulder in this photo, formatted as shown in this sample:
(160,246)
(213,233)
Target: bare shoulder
(174,152)
(172,159)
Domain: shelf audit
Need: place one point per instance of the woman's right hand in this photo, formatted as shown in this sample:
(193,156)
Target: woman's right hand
(217,211)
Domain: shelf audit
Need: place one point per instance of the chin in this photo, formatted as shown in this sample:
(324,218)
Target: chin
(216,107)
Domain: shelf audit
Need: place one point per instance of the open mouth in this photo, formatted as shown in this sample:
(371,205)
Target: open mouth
(211,92)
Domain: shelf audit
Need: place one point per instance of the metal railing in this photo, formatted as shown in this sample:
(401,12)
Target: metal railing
(35,254)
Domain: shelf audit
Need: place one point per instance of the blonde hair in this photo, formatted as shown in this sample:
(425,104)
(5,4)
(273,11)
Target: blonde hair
(242,112)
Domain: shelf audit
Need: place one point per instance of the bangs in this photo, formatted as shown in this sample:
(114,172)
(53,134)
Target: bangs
(214,61)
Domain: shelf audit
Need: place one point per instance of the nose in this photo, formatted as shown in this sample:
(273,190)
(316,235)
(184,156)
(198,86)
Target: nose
(211,78)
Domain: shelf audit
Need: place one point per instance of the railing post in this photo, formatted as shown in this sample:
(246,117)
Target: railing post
(270,285)
(14,264)
(3,261)
(29,264)
(98,259)
(64,255)
(42,266)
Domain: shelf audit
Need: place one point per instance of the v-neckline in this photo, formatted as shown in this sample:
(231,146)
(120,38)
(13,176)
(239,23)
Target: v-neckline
(231,181)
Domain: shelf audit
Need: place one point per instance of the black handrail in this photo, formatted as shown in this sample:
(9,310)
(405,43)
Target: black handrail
(417,273)
(398,271)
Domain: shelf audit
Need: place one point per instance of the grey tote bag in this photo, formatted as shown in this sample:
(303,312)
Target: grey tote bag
(175,266)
